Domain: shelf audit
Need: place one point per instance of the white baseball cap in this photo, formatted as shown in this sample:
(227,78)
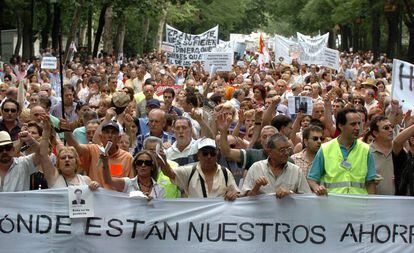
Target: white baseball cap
(206,142)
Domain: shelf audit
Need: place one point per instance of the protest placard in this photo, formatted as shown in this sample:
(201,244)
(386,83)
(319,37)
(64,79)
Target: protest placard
(80,202)
(403,83)
(331,58)
(189,47)
(49,62)
(312,48)
(222,61)
(300,103)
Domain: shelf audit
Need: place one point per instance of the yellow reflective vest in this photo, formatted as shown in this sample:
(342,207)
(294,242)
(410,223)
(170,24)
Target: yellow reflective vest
(345,177)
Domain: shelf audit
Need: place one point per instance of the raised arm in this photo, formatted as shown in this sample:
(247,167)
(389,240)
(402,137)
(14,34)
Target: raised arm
(163,164)
(30,141)
(117,184)
(205,129)
(270,111)
(328,115)
(258,125)
(296,128)
(70,139)
(223,124)
(401,138)
(49,170)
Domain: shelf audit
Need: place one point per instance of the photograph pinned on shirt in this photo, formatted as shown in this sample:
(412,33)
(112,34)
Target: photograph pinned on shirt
(80,202)
(300,103)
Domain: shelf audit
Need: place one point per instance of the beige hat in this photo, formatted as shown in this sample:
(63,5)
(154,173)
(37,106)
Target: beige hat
(121,99)
(5,138)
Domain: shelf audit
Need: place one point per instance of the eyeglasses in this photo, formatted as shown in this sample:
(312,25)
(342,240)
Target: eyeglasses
(6,148)
(358,102)
(210,152)
(285,150)
(64,157)
(143,162)
(9,110)
(316,138)
(388,127)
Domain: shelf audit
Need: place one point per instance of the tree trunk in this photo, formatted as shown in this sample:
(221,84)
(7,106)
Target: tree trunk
(355,39)
(90,14)
(27,35)
(73,27)
(55,28)
(2,8)
(392,20)
(82,36)
(160,30)
(120,36)
(410,53)
(107,35)
(46,28)
(19,32)
(375,33)
(101,25)
(331,39)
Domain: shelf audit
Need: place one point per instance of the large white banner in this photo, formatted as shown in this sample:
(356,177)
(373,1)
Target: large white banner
(38,221)
(285,49)
(312,48)
(189,47)
(403,83)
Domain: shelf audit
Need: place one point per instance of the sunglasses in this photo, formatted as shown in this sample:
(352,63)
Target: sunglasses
(210,152)
(316,138)
(143,162)
(9,110)
(6,148)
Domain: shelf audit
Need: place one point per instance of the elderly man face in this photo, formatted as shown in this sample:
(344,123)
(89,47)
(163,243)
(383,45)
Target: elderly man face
(156,121)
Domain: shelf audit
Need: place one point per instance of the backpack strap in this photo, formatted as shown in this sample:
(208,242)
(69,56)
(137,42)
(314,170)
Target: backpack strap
(226,175)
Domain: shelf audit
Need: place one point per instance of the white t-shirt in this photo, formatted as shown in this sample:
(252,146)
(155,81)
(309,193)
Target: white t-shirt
(131,184)
(18,177)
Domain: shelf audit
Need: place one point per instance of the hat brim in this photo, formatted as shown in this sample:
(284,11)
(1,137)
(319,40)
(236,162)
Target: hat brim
(6,142)
(110,126)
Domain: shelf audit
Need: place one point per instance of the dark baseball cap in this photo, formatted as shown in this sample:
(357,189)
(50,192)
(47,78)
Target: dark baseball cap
(153,103)
(112,124)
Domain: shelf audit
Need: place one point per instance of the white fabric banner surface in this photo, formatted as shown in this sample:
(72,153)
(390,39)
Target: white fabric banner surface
(39,222)
(283,49)
(403,83)
(189,47)
(312,48)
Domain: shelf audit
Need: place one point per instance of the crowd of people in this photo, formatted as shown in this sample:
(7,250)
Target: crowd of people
(180,131)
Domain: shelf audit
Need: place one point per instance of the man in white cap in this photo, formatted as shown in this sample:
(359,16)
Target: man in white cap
(206,178)
(15,171)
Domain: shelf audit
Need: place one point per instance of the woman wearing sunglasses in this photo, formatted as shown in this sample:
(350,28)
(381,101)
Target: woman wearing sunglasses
(67,163)
(145,166)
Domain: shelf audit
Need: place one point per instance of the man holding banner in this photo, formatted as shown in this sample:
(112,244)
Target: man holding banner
(344,165)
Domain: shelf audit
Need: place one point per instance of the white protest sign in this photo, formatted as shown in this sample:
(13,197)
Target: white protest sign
(403,83)
(189,47)
(223,47)
(167,47)
(300,103)
(331,58)
(80,200)
(49,62)
(239,47)
(222,61)
(312,49)
(283,49)
(38,221)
